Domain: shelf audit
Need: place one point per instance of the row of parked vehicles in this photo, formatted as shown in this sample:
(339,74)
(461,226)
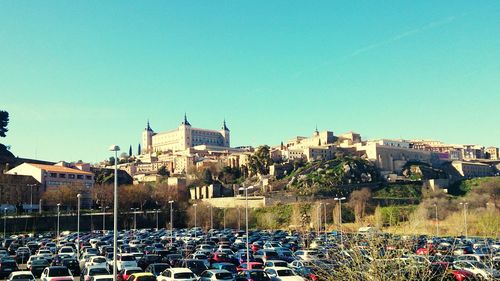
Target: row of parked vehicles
(196,255)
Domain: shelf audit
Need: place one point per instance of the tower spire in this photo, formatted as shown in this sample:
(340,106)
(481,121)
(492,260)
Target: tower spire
(186,122)
(148,127)
(224,126)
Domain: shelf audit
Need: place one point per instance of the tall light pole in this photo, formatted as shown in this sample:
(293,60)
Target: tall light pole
(40,206)
(157,212)
(239,219)
(134,210)
(224,216)
(194,205)
(78,197)
(31,196)
(464,204)
(115,148)
(318,218)
(340,216)
(437,219)
(58,214)
(324,205)
(171,221)
(246,217)
(211,218)
(4,221)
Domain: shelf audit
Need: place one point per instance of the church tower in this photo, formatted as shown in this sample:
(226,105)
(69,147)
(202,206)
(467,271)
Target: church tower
(147,139)
(225,134)
(185,134)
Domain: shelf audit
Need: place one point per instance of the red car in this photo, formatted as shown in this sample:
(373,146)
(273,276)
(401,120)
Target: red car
(462,275)
(218,257)
(250,266)
(125,273)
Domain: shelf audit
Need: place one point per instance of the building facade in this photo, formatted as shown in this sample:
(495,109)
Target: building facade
(183,137)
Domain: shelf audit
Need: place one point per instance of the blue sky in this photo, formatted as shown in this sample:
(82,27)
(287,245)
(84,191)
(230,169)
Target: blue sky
(77,76)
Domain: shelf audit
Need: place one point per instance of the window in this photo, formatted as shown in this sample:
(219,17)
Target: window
(80,177)
(63,176)
(88,177)
(53,175)
(71,176)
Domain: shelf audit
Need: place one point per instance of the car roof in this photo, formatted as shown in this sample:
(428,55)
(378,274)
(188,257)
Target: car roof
(102,277)
(21,272)
(133,268)
(179,269)
(142,274)
(218,271)
(278,267)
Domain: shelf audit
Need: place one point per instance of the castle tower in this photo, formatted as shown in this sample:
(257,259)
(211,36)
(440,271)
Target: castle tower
(147,139)
(225,134)
(185,134)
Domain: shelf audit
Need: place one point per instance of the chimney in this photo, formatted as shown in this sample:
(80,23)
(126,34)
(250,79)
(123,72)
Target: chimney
(7,168)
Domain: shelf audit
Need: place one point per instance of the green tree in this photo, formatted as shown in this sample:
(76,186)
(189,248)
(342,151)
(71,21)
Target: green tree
(130,151)
(163,171)
(260,161)
(4,121)
(207,176)
(111,160)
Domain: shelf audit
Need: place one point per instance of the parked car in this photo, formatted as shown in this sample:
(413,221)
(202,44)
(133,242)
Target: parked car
(126,260)
(90,271)
(253,275)
(52,273)
(282,274)
(125,273)
(7,266)
(21,276)
(157,268)
(177,274)
(37,266)
(215,275)
(143,276)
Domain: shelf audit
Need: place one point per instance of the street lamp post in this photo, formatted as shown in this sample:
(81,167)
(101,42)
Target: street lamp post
(464,204)
(4,221)
(211,218)
(318,217)
(58,214)
(40,206)
(437,220)
(340,216)
(224,216)
(239,219)
(78,196)
(31,196)
(171,221)
(115,148)
(157,212)
(324,205)
(246,217)
(134,210)
(194,205)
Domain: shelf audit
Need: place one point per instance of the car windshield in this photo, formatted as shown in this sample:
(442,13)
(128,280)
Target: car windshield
(98,271)
(132,271)
(99,260)
(285,272)
(41,262)
(127,258)
(258,266)
(280,264)
(59,271)
(479,265)
(146,278)
(23,276)
(104,279)
(160,267)
(224,275)
(184,275)
(230,268)
(258,275)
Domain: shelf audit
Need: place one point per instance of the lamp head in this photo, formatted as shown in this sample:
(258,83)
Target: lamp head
(114,147)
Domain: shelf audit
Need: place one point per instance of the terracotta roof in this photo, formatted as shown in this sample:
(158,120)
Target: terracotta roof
(60,169)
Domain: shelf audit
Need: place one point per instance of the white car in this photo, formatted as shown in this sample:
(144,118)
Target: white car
(4,254)
(215,275)
(52,272)
(477,268)
(67,250)
(102,278)
(126,260)
(306,255)
(21,275)
(177,274)
(282,274)
(97,261)
(45,253)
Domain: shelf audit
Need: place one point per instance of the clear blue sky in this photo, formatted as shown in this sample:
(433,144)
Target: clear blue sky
(77,76)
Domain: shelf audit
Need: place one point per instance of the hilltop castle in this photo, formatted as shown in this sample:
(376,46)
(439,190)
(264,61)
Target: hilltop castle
(183,137)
